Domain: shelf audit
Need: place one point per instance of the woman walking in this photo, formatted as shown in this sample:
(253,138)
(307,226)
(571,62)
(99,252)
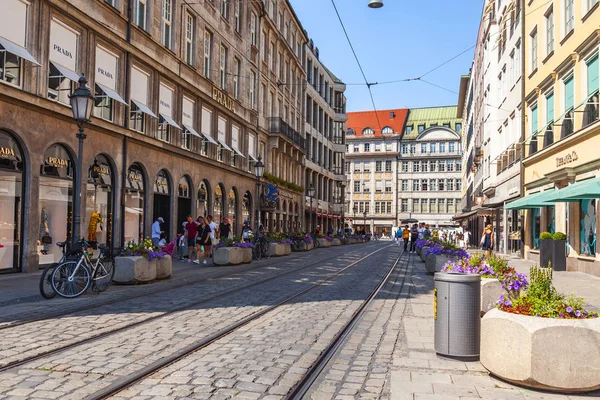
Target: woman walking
(487,240)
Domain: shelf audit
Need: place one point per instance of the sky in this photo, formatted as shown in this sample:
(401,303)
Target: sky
(403,39)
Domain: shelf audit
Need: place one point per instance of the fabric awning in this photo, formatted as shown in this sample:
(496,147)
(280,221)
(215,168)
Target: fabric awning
(209,138)
(464,215)
(170,121)
(191,130)
(239,153)
(66,72)
(583,190)
(222,143)
(144,108)
(111,93)
(253,158)
(19,51)
(535,200)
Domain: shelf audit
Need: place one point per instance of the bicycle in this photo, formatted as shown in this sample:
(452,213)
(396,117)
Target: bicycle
(315,242)
(45,280)
(73,278)
(261,248)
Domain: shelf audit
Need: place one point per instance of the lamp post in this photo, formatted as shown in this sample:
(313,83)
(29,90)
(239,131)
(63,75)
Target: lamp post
(375,4)
(365,221)
(259,170)
(311,193)
(82,102)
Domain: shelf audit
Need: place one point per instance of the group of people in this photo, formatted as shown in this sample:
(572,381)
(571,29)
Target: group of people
(412,234)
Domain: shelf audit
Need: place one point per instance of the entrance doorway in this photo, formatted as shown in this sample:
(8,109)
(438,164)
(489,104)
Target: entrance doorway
(162,202)
(184,202)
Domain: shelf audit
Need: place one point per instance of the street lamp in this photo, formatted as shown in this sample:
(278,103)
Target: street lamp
(311,193)
(375,4)
(259,170)
(82,102)
(365,221)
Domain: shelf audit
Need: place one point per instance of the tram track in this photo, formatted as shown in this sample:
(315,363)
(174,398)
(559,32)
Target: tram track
(223,294)
(128,381)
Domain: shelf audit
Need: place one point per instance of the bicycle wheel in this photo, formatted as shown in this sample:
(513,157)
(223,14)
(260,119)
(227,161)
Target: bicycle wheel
(70,281)
(256,252)
(265,249)
(45,282)
(103,275)
(316,243)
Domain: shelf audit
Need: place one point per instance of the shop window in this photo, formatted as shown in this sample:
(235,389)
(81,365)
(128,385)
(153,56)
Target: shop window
(184,201)
(164,130)
(99,202)
(247,207)
(232,208)
(219,203)
(135,188)
(162,202)
(535,228)
(56,202)
(11,197)
(137,120)
(60,87)
(202,206)
(103,106)
(588,227)
(10,67)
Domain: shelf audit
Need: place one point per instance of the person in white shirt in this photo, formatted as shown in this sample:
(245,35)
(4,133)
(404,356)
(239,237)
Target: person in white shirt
(213,230)
(467,236)
(156,232)
(421,231)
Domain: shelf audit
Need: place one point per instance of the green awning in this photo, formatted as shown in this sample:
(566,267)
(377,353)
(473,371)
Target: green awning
(588,189)
(535,200)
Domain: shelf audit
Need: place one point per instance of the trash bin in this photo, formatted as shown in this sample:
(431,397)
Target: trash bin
(457,303)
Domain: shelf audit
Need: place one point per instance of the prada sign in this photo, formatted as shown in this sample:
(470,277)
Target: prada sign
(223,99)
(6,152)
(569,158)
(134,176)
(100,170)
(57,162)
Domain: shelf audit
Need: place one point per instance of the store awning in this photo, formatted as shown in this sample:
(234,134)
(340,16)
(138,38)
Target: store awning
(170,121)
(239,153)
(66,72)
(191,130)
(583,190)
(464,215)
(111,93)
(209,138)
(17,50)
(253,158)
(535,200)
(144,108)
(222,143)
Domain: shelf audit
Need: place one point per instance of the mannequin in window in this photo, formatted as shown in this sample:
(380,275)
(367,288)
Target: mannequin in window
(44,231)
(95,225)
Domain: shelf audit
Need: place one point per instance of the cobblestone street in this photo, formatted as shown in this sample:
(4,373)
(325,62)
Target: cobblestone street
(388,354)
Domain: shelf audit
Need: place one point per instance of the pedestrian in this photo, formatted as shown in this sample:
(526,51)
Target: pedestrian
(246,230)
(156,231)
(421,231)
(213,232)
(330,231)
(318,230)
(487,240)
(398,236)
(426,232)
(181,245)
(191,233)
(405,236)
(414,236)
(163,241)
(204,240)
(224,229)
(467,237)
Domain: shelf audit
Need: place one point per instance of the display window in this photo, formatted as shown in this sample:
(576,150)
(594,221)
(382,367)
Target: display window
(247,206)
(233,209)
(11,197)
(98,219)
(184,201)
(135,188)
(162,200)
(202,205)
(56,203)
(219,204)
(588,227)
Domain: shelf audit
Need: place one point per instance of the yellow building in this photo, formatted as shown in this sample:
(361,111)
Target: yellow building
(562,128)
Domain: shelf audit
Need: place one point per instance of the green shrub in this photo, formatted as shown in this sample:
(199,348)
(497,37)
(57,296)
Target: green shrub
(559,236)
(545,236)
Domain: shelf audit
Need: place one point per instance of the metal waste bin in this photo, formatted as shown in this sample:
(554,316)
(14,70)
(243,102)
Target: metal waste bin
(457,309)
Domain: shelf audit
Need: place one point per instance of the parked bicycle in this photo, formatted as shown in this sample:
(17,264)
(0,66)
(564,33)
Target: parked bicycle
(261,247)
(45,280)
(71,279)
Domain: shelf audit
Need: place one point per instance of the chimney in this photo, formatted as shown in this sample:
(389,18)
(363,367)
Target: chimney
(392,115)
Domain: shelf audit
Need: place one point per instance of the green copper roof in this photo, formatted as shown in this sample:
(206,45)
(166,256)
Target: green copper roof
(431,115)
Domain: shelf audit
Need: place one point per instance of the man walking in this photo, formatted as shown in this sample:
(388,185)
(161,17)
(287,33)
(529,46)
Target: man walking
(224,229)
(204,239)
(156,232)
(191,232)
(406,236)
(414,235)
(213,232)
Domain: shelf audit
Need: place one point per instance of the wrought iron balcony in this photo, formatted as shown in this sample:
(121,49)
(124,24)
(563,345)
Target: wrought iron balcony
(278,126)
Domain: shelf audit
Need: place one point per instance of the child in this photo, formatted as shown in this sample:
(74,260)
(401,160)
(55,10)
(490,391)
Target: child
(180,246)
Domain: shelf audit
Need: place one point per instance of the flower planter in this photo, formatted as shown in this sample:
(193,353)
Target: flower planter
(491,290)
(559,355)
(324,242)
(132,270)
(247,255)
(228,256)
(303,246)
(276,249)
(423,253)
(553,251)
(164,267)
(287,249)
(434,263)
(336,242)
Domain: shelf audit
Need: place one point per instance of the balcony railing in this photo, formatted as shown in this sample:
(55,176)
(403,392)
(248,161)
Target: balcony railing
(278,126)
(571,122)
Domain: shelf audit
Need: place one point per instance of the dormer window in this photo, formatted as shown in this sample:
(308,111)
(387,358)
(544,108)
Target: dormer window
(368,132)
(387,131)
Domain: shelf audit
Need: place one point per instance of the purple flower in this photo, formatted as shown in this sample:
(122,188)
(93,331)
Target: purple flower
(569,309)
(508,303)
(561,315)
(578,313)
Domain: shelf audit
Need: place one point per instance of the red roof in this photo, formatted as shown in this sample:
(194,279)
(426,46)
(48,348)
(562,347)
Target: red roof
(394,118)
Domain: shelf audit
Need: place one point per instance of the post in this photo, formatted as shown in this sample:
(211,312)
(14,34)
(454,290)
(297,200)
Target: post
(257,203)
(77,201)
(310,224)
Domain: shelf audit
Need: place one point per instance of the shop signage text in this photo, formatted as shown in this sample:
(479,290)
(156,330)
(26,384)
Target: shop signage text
(165,104)
(57,162)
(134,176)
(6,152)
(162,182)
(62,51)
(100,170)
(569,158)
(223,99)
(106,73)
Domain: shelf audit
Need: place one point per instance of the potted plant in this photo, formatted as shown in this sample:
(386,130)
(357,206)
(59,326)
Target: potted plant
(306,243)
(439,253)
(324,241)
(336,241)
(232,252)
(138,263)
(551,337)
(279,245)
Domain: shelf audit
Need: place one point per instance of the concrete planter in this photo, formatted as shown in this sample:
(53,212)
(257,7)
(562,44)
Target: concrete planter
(303,246)
(434,263)
(553,251)
(132,270)
(288,249)
(423,253)
(164,267)
(542,353)
(336,242)
(247,255)
(277,249)
(324,242)
(228,256)
(491,290)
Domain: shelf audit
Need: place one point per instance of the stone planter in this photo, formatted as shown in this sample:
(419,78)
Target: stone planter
(324,242)
(228,256)
(303,246)
(434,263)
(164,267)
(247,255)
(423,253)
(336,242)
(491,290)
(276,249)
(132,270)
(542,353)
(287,249)
(553,251)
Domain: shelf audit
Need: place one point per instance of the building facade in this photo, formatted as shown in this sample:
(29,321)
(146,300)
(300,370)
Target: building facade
(325,144)
(430,166)
(188,96)
(372,146)
(562,129)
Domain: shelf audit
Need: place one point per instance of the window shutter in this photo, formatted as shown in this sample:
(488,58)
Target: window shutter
(569,93)
(592,75)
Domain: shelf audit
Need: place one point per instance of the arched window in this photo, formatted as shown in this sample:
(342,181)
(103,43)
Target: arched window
(368,132)
(387,131)
(350,132)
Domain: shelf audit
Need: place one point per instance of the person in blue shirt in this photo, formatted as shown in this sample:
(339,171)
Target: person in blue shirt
(156,231)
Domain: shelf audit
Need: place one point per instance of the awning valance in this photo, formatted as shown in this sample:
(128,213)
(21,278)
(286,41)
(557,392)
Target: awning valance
(66,72)
(535,200)
(17,50)
(588,189)
(222,143)
(191,130)
(463,215)
(144,108)
(111,93)
(169,121)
